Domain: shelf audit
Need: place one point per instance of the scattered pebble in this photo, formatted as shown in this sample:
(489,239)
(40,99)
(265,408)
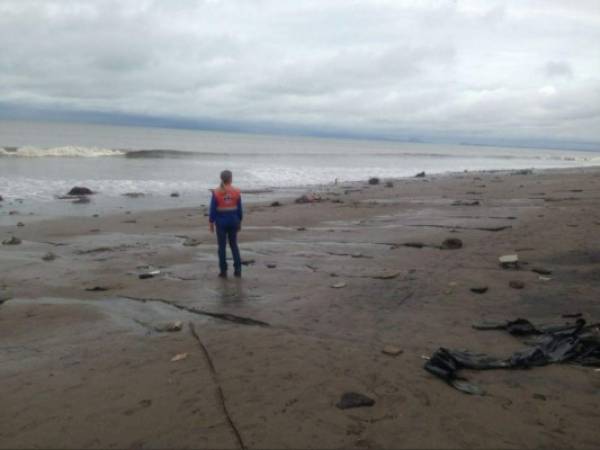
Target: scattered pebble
(179,357)
(354,400)
(452,244)
(20,224)
(49,256)
(275,204)
(96,289)
(541,271)
(373,181)
(339,285)
(516,284)
(170,327)
(174,194)
(509,261)
(420,175)
(391,350)
(479,289)
(271,266)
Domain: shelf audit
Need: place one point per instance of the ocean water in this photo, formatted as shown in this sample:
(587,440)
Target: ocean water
(40,161)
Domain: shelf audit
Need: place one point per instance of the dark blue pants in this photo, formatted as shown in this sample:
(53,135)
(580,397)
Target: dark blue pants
(224,234)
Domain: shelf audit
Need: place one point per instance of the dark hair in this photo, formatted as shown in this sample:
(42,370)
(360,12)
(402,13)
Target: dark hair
(226,177)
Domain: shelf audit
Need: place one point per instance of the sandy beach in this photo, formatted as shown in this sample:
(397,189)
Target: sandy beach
(85,363)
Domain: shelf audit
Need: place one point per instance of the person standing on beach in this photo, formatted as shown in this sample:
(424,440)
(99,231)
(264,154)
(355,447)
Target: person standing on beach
(226,213)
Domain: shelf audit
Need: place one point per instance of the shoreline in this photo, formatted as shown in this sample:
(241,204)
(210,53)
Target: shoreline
(82,357)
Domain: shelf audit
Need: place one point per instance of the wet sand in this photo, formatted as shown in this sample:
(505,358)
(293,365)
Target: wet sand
(273,352)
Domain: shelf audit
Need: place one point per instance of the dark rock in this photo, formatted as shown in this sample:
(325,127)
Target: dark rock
(80,190)
(145,276)
(49,256)
(174,194)
(12,241)
(541,271)
(466,203)
(134,194)
(20,224)
(96,289)
(271,266)
(479,289)
(248,262)
(452,244)
(420,175)
(373,181)
(81,201)
(275,204)
(354,400)
(301,229)
(389,184)
(516,284)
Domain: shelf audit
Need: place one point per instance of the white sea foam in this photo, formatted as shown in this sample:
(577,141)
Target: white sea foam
(66,151)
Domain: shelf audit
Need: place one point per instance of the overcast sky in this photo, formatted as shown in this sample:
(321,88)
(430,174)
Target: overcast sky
(517,69)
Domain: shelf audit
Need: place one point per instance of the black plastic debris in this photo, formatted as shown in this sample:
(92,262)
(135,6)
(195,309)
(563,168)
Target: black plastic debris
(575,343)
(354,400)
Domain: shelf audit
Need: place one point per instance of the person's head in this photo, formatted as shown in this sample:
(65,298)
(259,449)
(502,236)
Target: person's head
(226,177)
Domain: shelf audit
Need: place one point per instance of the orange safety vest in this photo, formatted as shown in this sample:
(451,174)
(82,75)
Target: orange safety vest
(227,198)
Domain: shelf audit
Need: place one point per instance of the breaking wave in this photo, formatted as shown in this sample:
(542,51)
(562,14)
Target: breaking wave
(67,151)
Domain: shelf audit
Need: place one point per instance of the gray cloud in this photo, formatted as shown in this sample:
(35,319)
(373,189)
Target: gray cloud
(498,68)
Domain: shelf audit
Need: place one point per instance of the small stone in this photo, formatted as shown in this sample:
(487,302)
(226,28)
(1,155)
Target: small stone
(354,400)
(339,285)
(170,327)
(389,184)
(541,271)
(301,229)
(134,194)
(516,284)
(179,357)
(509,261)
(174,194)
(420,175)
(271,266)
(49,256)
(275,204)
(539,396)
(452,244)
(391,350)
(96,289)
(20,224)
(479,289)
(12,241)
(373,181)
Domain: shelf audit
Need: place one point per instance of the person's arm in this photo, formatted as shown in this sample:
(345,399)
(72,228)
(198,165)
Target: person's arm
(212,215)
(240,212)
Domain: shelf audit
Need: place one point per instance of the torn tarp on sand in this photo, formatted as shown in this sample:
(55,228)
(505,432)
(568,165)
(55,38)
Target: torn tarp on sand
(566,343)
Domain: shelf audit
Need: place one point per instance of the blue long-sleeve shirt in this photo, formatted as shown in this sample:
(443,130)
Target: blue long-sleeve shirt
(228,218)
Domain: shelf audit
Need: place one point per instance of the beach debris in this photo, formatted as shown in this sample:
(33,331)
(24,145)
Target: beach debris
(338,285)
(479,289)
(80,190)
(385,276)
(179,357)
(354,400)
(134,194)
(516,284)
(509,261)
(81,201)
(5,295)
(169,327)
(420,175)
(271,266)
(466,203)
(150,274)
(174,194)
(96,289)
(391,350)
(389,184)
(414,244)
(308,198)
(275,204)
(541,271)
(573,343)
(451,244)
(373,181)
(191,242)
(12,241)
